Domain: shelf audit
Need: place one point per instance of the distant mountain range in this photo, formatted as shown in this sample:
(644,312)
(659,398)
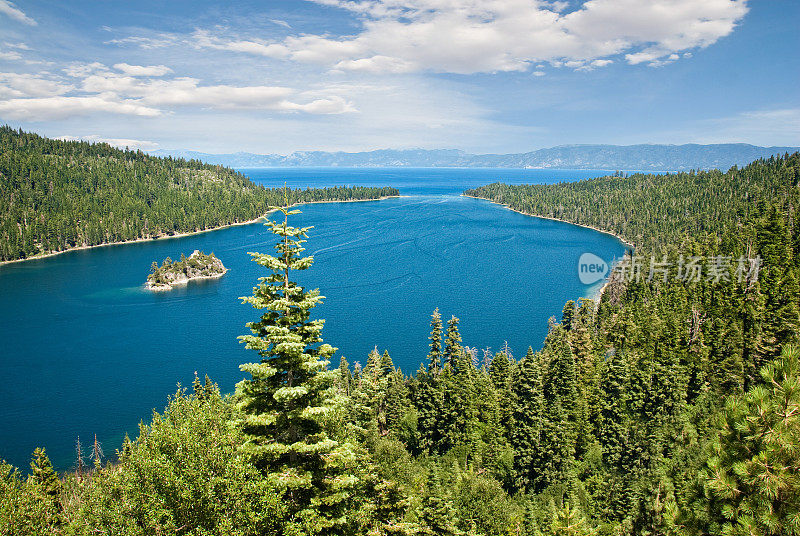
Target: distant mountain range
(611,157)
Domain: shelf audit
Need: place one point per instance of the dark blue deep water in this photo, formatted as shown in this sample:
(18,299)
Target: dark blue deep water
(86,350)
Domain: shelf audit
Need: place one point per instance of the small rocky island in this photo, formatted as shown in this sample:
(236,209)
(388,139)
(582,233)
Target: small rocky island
(171,273)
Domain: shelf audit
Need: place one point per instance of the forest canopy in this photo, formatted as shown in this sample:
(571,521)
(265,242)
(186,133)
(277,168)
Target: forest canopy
(668,408)
(56,195)
(656,209)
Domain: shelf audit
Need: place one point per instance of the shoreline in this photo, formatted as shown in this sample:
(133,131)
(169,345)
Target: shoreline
(598,295)
(188,233)
(621,239)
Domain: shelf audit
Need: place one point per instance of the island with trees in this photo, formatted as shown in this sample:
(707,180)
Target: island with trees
(671,407)
(171,273)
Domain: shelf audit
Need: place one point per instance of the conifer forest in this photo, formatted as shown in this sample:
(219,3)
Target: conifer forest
(57,195)
(671,406)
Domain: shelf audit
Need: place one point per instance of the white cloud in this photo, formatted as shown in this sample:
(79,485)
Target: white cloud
(281,23)
(469,36)
(186,91)
(80,70)
(28,85)
(10,55)
(13,54)
(19,46)
(116,142)
(9,9)
(52,108)
(160,40)
(139,70)
(403,112)
(204,39)
(145,91)
(383,64)
(327,106)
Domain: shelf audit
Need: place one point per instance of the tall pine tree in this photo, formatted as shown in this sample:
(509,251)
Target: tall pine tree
(290,393)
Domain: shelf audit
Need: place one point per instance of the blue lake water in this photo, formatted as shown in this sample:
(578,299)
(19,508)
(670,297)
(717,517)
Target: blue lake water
(86,350)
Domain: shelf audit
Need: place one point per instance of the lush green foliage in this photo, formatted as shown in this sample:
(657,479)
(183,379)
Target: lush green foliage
(198,264)
(668,408)
(648,210)
(752,473)
(289,395)
(183,475)
(56,195)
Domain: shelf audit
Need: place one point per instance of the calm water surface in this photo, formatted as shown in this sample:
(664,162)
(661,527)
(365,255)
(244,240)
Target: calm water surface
(86,350)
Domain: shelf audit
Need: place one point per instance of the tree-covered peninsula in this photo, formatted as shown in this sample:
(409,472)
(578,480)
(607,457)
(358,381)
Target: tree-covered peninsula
(650,210)
(171,273)
(57,195)
(671,407)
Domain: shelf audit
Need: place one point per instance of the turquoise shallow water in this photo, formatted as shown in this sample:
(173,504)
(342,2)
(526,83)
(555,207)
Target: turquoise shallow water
(86,350)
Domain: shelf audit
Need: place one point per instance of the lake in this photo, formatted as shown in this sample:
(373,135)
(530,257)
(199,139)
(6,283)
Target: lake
(86,350)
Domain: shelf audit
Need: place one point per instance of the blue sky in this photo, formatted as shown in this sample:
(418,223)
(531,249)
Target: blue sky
(479,75)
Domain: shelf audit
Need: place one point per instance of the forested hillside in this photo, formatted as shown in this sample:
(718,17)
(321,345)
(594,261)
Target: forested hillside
(672,407)
(56,195)
(649,209)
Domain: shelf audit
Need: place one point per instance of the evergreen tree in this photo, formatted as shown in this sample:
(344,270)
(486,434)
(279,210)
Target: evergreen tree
(429,403)
(778,282)
(753,476)
(345,378)
(459,406)
(289,393)
(435,355)
(396,399)
(387,365)
(569,521)
(588,378)
(567,314)
(56,195)
(44,477)
(373,389)
(528,419)
(436,512)
(614,412)
(559,431)
(452,344)
(501,373)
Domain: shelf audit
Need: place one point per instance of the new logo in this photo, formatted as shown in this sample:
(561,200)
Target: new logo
(591,268)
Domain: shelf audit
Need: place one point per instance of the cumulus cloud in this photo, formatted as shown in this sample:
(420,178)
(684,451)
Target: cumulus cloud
(470,36)
(185,91)
(145,91)
(139,70)
(62,107)
(28,85)
(116,142)
(9,9)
